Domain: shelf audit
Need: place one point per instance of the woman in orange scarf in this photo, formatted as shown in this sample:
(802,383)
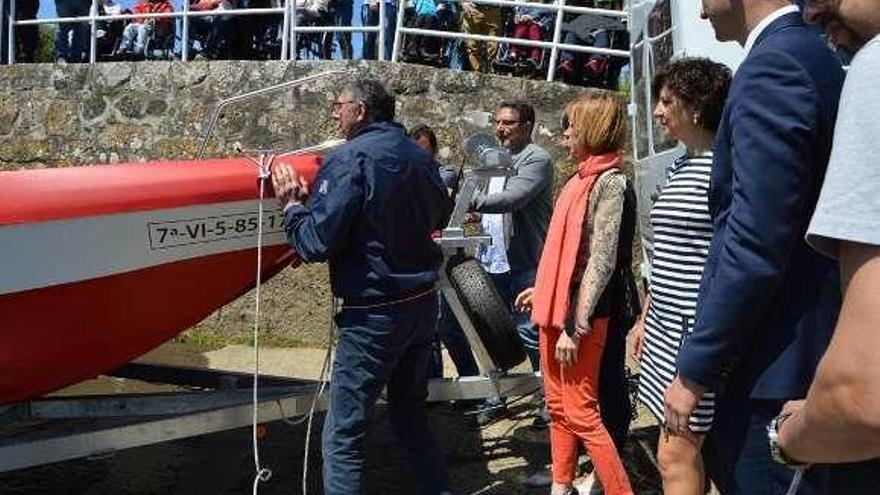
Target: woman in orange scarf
(579,258)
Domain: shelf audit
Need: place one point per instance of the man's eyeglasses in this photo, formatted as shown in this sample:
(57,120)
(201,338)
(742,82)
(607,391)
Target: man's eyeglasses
(337,105)
(507,123)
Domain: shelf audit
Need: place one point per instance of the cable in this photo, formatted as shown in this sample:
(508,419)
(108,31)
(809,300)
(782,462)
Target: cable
(262,474)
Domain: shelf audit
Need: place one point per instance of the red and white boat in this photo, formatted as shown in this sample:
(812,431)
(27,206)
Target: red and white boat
(100,264)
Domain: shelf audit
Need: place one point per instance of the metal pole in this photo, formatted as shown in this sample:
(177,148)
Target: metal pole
(215,114)
(395,50)
(2,21)
(557,34)
(93,39)
(285,32)
(381,30)
(10,59)
(294,49)
(647,55)
(184,36)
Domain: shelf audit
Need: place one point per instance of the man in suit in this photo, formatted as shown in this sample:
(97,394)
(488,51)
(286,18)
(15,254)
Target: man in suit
(767,303)
(840,419)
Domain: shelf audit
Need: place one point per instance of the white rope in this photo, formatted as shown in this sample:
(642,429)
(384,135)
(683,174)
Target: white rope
(262,474)
(325,369)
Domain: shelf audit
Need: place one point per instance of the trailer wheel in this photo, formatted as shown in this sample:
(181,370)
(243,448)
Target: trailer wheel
(487,310)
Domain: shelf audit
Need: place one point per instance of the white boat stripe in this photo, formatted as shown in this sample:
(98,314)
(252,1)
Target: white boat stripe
(44,254)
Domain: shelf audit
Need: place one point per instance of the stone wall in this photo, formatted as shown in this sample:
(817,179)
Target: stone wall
(68,115)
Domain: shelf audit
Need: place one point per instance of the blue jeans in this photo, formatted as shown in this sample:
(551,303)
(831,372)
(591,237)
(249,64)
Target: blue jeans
(378,347)
(528,332)
(449,332)
(344,10)
(371,18)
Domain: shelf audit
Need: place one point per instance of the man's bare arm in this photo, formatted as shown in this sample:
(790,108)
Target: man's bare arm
(840,419)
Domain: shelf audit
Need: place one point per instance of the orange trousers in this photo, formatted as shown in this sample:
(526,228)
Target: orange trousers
(572,395)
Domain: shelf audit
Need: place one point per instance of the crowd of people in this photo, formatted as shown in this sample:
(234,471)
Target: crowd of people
(759,327)
(259,37)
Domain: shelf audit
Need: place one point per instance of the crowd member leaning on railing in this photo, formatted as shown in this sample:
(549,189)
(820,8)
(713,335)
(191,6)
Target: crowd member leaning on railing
(370,17)
(485,20)
(26,37)
(138,32)
(212,32)
(529,23)
(71,38)
(343,11)
(589,68)
(216,36)
(109,33)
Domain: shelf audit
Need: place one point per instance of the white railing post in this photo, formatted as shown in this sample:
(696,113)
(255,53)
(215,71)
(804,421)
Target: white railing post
(10,36)
(398,36)
(93,38)
(285,32)
(184,35)
(557,35)
(381,37)
(294,52)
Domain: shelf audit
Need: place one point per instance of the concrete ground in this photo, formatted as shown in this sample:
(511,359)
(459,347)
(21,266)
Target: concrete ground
(495,459)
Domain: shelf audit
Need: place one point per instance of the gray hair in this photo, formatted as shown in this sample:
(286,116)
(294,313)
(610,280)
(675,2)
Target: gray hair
(375,97)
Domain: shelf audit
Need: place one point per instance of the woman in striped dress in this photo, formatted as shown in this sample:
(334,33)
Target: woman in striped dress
(690,95)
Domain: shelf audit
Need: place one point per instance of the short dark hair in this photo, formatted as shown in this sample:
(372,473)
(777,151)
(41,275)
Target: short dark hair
(525,110)
(375,97)
(699,83)
(425,130)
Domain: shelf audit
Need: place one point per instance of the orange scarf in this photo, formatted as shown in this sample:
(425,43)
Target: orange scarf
(556,268)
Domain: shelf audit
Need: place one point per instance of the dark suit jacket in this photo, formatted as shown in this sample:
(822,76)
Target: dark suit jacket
(768,303)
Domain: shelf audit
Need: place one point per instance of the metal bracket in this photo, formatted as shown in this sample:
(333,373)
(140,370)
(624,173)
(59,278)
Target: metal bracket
(490,162)
(59,429)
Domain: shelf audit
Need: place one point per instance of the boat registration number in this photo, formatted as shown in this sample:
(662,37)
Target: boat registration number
(175,233)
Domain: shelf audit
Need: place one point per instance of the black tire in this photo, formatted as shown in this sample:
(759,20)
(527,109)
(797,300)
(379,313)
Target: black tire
(487,311)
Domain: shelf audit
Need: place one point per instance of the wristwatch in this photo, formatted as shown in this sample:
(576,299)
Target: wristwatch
(775,450)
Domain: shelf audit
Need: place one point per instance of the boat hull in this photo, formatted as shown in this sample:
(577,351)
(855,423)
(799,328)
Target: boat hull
(102,264)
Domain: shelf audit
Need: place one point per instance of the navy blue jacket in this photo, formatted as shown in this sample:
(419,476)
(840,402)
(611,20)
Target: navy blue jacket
(372,209)
(768,303)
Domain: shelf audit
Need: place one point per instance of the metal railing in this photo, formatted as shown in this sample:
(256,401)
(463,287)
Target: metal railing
(555,45)
(290,28)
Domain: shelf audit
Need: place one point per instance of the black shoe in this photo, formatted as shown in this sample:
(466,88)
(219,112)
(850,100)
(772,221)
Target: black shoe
(541,422)
(468,405)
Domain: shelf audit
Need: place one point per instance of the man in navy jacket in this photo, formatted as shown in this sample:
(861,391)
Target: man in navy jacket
(373,207)
(767,303)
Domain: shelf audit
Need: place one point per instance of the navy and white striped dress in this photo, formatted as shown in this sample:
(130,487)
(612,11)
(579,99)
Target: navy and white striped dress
(682,231)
